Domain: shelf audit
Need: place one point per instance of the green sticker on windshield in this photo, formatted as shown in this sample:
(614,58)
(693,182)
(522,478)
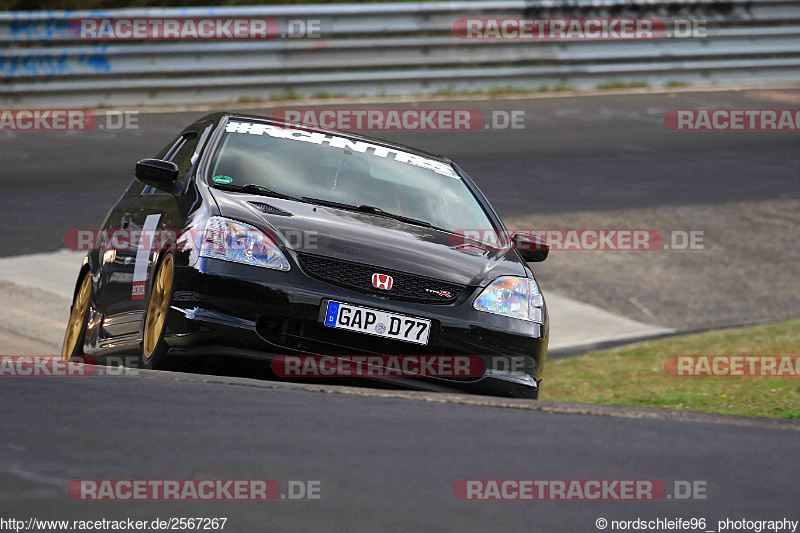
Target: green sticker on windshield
(223,179)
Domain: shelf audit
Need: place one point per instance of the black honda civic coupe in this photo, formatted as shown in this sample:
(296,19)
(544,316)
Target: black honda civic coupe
(319,252)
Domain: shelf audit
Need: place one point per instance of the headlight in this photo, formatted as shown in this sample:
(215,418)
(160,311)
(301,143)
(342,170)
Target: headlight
(514,297)
(230,240)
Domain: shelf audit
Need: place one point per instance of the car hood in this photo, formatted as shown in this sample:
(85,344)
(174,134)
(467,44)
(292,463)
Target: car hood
(369,239)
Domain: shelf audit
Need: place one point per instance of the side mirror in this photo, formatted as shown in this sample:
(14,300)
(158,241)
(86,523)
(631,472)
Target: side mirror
(533,248)
(157,173)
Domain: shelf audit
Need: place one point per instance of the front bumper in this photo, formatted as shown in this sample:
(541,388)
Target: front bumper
(224,308)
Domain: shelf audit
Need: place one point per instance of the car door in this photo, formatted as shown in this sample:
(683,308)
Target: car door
(120,254)
(159,212)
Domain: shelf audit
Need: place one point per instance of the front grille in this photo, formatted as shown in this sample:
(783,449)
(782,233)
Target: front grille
(359,277)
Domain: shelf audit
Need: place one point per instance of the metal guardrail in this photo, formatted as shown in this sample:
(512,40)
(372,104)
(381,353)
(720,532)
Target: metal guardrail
(389,48)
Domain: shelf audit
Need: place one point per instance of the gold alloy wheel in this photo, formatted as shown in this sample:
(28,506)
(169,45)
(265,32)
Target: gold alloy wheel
(76,318)
(157,308)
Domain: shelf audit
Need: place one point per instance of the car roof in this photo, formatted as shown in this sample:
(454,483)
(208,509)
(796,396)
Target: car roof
(340,133)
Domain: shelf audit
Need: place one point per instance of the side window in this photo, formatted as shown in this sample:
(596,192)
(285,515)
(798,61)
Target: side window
(135,188)
(185,156)
(168,148)
(183,152)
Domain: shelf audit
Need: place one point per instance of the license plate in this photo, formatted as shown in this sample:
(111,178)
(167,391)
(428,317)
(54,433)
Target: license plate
(379,323)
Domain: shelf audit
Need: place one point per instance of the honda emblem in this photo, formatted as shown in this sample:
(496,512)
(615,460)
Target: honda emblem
(382,281)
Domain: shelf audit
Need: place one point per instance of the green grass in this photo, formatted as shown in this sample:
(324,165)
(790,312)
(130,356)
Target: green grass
(635,375)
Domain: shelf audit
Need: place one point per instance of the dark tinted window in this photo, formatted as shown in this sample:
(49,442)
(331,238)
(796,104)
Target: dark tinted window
(135,188)
(168,148)
(185,156)
(181,153)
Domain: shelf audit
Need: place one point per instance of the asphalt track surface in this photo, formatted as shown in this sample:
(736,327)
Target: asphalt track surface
(386,463)
(575,153)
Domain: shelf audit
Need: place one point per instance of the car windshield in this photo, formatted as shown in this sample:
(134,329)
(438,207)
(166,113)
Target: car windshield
(329,168)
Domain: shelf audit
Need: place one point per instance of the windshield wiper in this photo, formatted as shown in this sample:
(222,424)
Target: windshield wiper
(254,188)
(371,210)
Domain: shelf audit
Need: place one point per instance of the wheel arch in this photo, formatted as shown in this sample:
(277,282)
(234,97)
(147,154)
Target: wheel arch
(85,267)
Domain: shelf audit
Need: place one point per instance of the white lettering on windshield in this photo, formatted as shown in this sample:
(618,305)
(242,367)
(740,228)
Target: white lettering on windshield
(313,137)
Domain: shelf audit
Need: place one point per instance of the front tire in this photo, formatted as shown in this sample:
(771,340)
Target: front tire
(154,348)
